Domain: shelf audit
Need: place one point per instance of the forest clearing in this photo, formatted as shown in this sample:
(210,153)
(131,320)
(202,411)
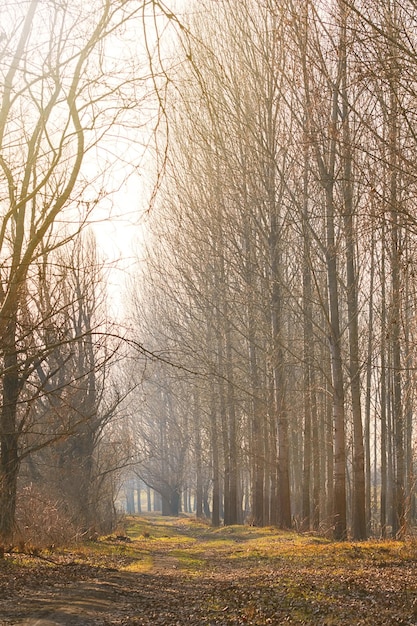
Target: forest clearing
(173,571)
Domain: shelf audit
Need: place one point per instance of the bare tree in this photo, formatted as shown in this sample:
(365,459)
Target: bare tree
(286,224)
(62,91)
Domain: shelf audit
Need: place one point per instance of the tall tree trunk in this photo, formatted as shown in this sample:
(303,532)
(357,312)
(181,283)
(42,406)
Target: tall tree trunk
(215,514)
(326,162)
(359,530)
(399,520)
(234,516)
(369,368)
(272,456)
(9,434)
(197,457)
(284,502)
(384,386)
(256,415)
(408,391)
(339,489)
(308,384)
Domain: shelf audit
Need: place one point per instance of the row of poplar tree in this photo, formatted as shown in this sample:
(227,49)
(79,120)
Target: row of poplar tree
(279,274)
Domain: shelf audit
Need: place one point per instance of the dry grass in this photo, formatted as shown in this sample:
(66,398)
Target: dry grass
(180,571)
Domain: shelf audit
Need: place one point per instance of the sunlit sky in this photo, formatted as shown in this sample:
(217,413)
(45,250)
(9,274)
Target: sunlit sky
(118,220)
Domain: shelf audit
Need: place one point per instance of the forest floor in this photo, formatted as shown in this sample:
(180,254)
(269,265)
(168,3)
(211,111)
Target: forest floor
(177,571)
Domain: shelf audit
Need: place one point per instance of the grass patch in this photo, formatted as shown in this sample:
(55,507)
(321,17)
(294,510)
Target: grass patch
(160,527)
(193,543)
(238,575)
(140,566)
(190,561)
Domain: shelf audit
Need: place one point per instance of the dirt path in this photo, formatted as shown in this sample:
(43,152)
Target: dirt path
(74,594)
(174,575)
(107,598)
(93,601)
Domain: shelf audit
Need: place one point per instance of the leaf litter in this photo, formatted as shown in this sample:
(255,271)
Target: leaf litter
(178,571)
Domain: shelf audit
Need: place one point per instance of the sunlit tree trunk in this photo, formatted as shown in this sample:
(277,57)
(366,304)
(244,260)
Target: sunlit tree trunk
(339,490)
(256,409)
(234,513)
(284,504)
(326,156)
(310,420)
(359,530)
(215,514)
(369,504)
(384,386)
(399,521)
(197,456)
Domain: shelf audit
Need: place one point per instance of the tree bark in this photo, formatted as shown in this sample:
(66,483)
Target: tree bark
(9,434)
(359,529)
